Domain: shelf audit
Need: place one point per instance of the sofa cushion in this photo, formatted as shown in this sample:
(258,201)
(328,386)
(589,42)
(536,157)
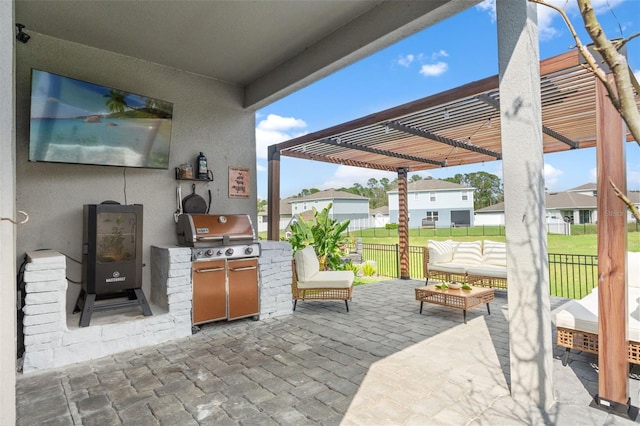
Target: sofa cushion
(468,252)
(487,270)
(633,269)
(450,267)
(328,279)
(440,251)
(494,253)
(307,264)
(582,314)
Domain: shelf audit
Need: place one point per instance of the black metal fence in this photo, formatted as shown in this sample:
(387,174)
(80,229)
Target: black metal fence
(570,275)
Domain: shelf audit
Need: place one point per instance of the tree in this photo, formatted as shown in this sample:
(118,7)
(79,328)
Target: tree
(306,192)
(262,204)
(621,92)
(488,187)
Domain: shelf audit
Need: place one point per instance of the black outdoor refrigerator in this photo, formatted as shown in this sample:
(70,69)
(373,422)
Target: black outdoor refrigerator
(111,260)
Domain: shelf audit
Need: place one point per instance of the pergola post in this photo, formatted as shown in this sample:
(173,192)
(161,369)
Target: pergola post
(273,196)
(524,191)
(613,389)
(403,222)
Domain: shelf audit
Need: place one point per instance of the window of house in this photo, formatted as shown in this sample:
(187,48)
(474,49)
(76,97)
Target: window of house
(432,216)
(432,196)
(465,196)
(416,195)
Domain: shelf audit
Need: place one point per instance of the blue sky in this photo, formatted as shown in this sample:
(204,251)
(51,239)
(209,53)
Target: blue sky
(454,52)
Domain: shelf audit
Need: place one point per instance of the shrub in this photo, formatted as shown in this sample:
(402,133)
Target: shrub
(391,226)
(324,234)
(368,270)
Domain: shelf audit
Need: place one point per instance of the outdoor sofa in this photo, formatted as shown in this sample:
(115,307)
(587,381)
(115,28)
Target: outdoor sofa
(310,283)
(480,263)
(577,323)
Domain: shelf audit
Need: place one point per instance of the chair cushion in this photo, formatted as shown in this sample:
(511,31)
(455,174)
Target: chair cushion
(494,253)
(487,270)
(440,251)
(307,264)
(468,252)
(328,279)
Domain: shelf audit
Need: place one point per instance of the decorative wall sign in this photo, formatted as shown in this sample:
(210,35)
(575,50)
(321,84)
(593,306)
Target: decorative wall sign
(238,182)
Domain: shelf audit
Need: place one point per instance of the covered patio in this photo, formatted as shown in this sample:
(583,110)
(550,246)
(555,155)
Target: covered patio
(382,363)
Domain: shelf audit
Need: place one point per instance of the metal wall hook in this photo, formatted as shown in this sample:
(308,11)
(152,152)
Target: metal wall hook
(22,222)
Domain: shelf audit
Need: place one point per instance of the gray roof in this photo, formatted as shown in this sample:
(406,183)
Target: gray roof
(557,200)
(285,208)
(591,186)
(329,194)
(432,185)
(381,210)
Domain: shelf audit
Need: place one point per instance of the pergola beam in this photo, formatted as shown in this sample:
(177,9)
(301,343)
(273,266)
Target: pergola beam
(546,130)
(342,161)
(438,138)
(338,143)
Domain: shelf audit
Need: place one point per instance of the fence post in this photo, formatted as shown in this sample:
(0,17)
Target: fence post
(397,261)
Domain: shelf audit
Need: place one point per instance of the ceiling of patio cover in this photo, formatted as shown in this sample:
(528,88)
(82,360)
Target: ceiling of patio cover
(458,126)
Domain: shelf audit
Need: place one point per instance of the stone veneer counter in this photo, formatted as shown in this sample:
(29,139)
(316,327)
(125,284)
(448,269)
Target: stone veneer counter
(53,339)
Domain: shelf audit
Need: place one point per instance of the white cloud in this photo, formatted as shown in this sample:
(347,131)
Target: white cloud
(551,176)
(406,60)
(439,54)
(434,70)
(637,74)
(593,174)
(490,7)
(547,16)
(274,129)
(346,176)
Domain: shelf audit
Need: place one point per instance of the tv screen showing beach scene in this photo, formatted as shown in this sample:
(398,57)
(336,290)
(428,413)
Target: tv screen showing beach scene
(73,121)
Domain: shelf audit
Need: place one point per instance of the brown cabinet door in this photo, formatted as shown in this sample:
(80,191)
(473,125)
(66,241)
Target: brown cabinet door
(209,291)
(243,288)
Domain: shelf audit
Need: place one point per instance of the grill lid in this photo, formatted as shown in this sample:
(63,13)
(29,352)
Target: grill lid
(210,230)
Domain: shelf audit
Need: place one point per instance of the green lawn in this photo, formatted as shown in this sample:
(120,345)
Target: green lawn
(571,244)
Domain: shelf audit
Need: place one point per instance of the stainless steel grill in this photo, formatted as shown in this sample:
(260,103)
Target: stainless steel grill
(218,236)
(224,255)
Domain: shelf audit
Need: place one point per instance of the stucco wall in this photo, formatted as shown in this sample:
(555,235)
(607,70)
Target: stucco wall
(207,117)
(7,209)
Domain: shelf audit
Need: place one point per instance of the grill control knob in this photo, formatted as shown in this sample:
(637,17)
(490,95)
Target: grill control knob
(208,253)
(248,250)
(219,252)
(229,251)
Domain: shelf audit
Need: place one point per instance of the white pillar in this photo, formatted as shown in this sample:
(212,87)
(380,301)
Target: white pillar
(7,209)
(523,166)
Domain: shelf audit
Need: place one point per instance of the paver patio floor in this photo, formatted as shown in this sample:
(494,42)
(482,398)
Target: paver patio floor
(380,364)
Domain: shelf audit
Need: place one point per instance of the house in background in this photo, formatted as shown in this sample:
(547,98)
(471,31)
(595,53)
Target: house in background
(380,216)
(344,205)
(573,207)
(285,215)
(435,203)
(586,189)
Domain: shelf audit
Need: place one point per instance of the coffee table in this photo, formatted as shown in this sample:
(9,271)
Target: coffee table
(458,299)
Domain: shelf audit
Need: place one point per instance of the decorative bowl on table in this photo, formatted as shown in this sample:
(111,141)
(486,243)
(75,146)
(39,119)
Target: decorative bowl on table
(454,285)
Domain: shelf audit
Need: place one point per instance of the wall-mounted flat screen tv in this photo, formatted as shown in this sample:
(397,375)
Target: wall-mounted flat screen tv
(74,121)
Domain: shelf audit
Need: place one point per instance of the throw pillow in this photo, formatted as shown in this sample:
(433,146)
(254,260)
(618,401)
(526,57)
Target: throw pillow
(440,251)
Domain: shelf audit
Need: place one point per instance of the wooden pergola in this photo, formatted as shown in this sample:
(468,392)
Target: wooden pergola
(451,128)
(463,126)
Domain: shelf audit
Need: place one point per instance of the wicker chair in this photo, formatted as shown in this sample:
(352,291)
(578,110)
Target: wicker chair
(309,283)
